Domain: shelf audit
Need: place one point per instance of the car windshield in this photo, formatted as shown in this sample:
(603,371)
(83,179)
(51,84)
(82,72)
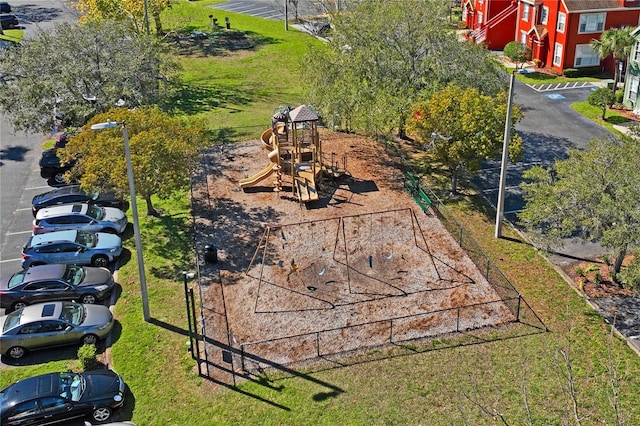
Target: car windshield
(86,239)
(96,212)
(12,320)
(73,313)
(71,386)
(16,279)
(74,274)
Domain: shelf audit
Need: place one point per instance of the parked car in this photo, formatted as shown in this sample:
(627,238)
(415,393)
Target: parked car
(8,21)
(58,398)
(112,424)
(74,194)
(5,7)
(51,167)
(71,247)
(52,324)
(84,216)
(46,283)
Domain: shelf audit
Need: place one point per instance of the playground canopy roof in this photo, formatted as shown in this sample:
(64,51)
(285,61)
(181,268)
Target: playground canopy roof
(303,113)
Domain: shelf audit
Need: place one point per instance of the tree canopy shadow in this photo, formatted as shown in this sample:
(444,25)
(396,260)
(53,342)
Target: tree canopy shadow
(13,153)
(191,99)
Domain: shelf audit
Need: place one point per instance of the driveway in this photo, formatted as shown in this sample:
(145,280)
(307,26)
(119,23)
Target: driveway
(549,129)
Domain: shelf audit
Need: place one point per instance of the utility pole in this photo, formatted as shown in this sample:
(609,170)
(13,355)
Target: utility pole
(505,156)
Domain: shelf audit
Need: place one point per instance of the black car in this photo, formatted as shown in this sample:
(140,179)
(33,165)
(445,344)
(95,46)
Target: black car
(4,7)
(47,283)
(8,21)
(51,167)
(73,194)
(57,398)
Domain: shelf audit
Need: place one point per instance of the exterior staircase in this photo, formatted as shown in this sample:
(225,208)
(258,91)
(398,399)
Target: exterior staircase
(481,35)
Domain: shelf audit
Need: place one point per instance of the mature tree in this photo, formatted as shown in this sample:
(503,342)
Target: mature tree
(122,10)
(518,52)
(602,98)
(384,55)
(464,127)
(164,153)
(80,71)
(617,42)
(595,193)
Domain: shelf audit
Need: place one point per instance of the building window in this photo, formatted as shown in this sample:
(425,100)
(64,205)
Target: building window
(591,23)
(562,21)
(633,90)
(464,14)
(479,18)
(525,12)
(586,56)
(523,37)
(636,56)
(544,15)
(557,55)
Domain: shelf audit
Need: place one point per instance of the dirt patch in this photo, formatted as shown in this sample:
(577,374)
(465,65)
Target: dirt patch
(617,305)
(362,267)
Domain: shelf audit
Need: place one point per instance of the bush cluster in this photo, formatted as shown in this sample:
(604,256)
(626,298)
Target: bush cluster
(87,357)
(581,72)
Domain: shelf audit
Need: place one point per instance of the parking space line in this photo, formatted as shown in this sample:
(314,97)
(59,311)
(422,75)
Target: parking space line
(33,188)
(19,232)
(24,208)
(10,260)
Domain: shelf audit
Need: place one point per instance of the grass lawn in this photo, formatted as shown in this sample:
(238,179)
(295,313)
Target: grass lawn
(594,113)
(449,386)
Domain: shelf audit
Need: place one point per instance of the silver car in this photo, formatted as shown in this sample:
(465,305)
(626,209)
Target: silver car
(84,216)
(53,324)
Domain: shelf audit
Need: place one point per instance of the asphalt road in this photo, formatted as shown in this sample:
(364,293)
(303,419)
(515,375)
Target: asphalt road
(19,152)
(549,129)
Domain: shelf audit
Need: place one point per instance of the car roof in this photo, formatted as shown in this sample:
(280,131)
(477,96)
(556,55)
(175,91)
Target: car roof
(50,237)
(31,387)
(49,310)
(43,272)
(70,189)
(62,209)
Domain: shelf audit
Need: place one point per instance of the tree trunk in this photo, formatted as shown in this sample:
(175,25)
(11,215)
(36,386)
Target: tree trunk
(158,22)
(617,263)
(615,77)
(151,211)
(454,181)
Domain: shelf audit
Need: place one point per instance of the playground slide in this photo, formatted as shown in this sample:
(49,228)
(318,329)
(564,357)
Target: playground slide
(266,138)
(263,174)
(257,178)
(306,185)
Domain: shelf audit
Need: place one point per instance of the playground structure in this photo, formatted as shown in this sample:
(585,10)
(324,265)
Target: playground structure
(295,150)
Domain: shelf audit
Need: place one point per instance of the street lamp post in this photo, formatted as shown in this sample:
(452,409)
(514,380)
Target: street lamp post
(186,276)
(505,156)
(134,212)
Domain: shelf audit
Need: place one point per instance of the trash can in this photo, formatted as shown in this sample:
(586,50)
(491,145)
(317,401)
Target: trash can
(210,253)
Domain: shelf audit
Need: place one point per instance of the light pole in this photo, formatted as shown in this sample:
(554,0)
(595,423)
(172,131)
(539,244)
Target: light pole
(134,212)
(186,276)
(505,156)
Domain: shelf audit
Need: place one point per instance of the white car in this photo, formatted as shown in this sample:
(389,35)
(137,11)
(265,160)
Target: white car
(83,216)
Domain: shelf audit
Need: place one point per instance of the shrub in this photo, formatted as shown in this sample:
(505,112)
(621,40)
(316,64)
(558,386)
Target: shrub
(630,276)
(619,96)
(581,72)
(517,52)
(598,278)
(579,271)
(87,357)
